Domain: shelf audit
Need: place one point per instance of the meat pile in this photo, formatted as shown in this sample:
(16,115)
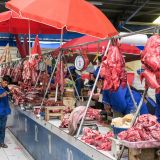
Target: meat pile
(51,102)
(113,69)
(146,128)
(95,138)
(77,114)
(151,62)
(93,114)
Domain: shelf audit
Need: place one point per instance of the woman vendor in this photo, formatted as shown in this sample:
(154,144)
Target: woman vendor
(121,102)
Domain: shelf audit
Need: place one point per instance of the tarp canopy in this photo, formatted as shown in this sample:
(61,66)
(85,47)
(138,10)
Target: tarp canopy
(74,15)
(10,22)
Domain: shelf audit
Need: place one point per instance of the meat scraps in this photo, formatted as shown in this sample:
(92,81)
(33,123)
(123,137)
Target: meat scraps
(146,128)
(95,138)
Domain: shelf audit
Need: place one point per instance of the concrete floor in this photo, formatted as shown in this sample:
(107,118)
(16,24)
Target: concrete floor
(15,150)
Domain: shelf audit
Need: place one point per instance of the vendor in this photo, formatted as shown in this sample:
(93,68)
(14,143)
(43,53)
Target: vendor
(4,108)
(121,102)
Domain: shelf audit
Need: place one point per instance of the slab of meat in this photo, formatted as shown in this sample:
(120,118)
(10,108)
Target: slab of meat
(146,128)
(95,138)
(60,76)
(75,118)
(113,69)
(151,62)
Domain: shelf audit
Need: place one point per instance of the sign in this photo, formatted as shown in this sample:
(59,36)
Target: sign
(79,63)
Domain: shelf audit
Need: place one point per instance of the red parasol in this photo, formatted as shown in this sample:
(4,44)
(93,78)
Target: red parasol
(10,22)
(74,15)
(99,46)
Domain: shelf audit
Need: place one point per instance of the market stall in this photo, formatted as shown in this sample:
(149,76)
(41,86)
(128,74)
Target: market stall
(53,121)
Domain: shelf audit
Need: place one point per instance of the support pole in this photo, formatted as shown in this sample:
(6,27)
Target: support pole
(82,121)
(134,13)
(61,41)
(130,91)
(134,119)
(50,80)
(71,77)
(29,38)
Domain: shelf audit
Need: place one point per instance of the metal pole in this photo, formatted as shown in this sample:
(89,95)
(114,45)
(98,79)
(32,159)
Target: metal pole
(50,80)
(79,129)
(29,38)
(139,107)
(130,17)
(71,78)
(38,79)
(131,94)
(61,40)
(115,37)
(134,119)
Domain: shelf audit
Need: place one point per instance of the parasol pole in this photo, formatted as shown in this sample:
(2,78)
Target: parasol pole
(61,41)
(29,38)
(94,86)
(50,80)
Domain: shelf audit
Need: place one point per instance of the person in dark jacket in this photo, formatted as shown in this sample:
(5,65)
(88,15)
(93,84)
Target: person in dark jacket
(4,108)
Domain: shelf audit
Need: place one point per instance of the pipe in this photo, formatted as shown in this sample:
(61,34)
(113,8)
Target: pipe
(130,17)
(90,97)
(114,37)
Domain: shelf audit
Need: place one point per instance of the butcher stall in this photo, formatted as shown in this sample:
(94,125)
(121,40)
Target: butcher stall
(49,115)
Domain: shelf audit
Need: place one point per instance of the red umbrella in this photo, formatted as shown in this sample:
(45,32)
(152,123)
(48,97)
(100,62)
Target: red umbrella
(98,46)
(36,48)
(10,22)
(74,15)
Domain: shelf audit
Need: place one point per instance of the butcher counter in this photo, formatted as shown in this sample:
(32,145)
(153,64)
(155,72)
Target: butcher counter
(45,141)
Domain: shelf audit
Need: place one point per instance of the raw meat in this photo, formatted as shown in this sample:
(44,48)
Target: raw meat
(151,62)
(95,138)
(113,70)
(146,128)
(60,76)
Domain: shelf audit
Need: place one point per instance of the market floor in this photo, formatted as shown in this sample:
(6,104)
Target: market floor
(15,150)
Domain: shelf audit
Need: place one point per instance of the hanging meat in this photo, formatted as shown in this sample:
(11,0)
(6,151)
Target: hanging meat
(151,62)
(60,76)
(86,60)
(113,70)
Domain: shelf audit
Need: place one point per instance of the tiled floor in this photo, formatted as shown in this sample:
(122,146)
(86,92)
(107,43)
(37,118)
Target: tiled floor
(15,151)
